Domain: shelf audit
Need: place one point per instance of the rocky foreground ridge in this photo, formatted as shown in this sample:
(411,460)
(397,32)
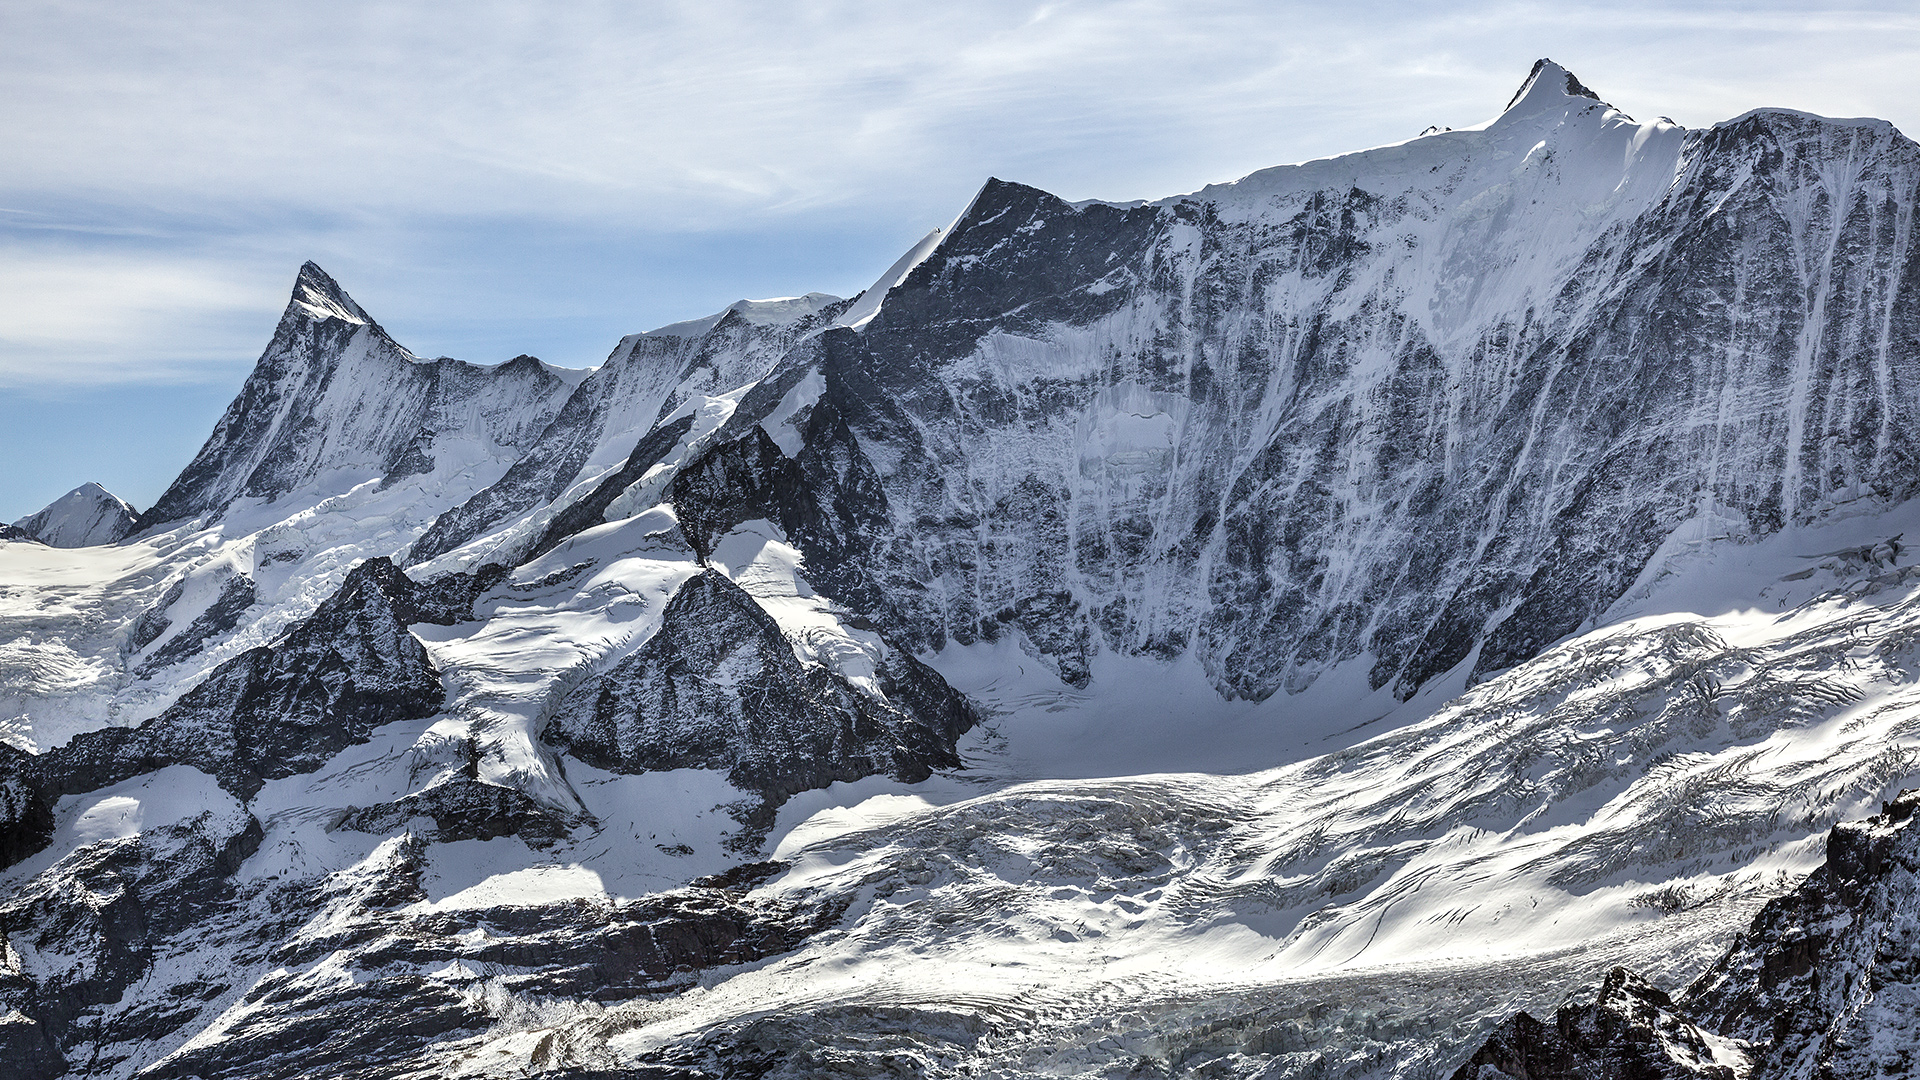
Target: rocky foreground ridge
(1825,982)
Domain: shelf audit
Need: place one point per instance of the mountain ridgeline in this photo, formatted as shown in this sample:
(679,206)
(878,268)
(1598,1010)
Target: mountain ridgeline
(1433,405)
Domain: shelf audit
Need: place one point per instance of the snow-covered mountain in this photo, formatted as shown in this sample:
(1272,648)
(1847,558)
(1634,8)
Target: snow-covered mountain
(1300,628)
(334,402)
(86,516)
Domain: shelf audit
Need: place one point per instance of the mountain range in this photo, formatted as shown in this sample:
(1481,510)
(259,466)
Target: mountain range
(1316,626)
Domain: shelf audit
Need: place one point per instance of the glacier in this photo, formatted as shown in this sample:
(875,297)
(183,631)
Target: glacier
(1309,627)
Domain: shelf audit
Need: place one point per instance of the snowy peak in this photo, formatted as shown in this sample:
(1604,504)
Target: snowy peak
(87,516)
(334,402)
(317,296)
(1548,85)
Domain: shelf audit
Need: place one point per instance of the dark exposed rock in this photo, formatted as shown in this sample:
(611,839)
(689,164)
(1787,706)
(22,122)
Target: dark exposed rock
(1250,335)
(1571,86)
(236,596)
(463,808)
(1824,984)
(16,534)
(1826,980)
(1625,1029)
(154,621)
(384,1021)
(28,1049)
(26,814)
(591,510)
(277,710)
(828,500)
(446,599)
(108,906)
(719,687)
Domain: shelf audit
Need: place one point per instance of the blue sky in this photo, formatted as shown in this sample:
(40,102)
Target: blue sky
(489,179)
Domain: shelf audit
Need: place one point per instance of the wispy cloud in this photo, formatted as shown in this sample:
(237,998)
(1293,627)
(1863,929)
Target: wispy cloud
(90,316)
(191,153)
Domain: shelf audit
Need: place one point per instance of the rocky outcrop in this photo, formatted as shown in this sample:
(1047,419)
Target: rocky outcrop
(1623,1029)
(277,710)
(462,808)
(1824,984)
(237,594)
(1826,981)
(719,687)
(271,712)
(826,499)
(426,980)
(94,925)
(26,813)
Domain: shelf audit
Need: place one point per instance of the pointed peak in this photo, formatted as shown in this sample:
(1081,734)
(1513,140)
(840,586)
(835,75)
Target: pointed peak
(86,516)
(317,296)
(97,493)
(1546,85)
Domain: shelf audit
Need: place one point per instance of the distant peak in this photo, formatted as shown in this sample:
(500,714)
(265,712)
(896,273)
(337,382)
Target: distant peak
(86,516)
(317,296)
(1547,84)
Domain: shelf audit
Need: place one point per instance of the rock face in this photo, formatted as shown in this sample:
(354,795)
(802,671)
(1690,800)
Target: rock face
(86,516)
(719,687)
(274,711)
(91,929)
(277,710)
(1826,982)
